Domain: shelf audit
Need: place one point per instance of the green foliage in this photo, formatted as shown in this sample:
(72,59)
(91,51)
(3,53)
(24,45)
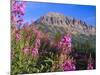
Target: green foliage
(84,43)
(22,63)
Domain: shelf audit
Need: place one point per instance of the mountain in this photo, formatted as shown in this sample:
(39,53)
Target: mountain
(56,22)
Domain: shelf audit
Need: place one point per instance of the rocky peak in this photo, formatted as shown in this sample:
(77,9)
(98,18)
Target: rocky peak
(68,23)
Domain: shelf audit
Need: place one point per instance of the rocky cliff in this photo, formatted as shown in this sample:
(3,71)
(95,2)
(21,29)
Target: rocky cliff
(57,22)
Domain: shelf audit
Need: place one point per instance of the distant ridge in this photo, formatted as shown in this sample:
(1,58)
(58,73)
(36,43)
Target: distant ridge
(56,22)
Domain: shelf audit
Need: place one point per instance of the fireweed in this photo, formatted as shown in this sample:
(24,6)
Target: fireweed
(90,63)
(36,47)
(68,65)
(26,50)
(36,44)
(18,36)
(65,44)
(18,10)
(17,13)
(34,52)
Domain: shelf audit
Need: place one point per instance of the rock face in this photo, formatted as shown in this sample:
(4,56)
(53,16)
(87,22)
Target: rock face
(59,23)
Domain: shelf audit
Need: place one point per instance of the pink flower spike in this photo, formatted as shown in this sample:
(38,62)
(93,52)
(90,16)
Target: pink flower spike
(18,10)
(90,66)
(18,36)
(90,63)
(22,8)
(65,44)
(37,43)
(34,51)
(26,50)
(68,65)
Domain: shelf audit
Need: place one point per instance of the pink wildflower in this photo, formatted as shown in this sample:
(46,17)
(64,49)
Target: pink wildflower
(90,64)
(67,40)
(26,50)
(18,36)
(37,43)
(18,10)
(65,44)
(68,65)
(22,8)
(34,51)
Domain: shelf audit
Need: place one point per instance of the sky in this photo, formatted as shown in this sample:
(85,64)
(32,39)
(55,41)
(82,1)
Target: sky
(35,10)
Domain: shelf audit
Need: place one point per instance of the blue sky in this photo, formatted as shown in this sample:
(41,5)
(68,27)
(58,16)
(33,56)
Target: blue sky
(34,10)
